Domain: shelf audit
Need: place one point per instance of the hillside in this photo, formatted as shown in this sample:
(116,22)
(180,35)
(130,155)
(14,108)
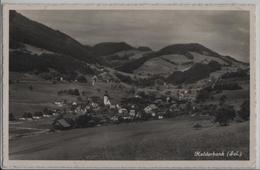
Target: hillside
(28,33)
(197,72)
(185,49)
(179,58)
(36,34)
(29,58)
(116,54)
(36,47)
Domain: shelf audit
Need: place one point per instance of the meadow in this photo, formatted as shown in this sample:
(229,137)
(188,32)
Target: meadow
(169,139)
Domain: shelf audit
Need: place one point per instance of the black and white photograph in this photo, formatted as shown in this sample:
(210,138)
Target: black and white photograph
(129,85)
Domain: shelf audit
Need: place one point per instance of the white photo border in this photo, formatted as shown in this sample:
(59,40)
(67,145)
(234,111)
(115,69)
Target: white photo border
(11,164)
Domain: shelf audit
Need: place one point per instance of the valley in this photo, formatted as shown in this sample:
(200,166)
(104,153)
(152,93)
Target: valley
(114,101)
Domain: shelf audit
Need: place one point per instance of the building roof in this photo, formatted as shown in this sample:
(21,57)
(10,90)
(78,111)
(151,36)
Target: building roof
(64,123)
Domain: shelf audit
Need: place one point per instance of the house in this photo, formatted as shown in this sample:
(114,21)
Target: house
(61,124)
(158,101)
(123,111)
(150,108)
(160,117)
(59,103)
(132,113)
(36,117)
(112,106)
(67,120)
(178,108)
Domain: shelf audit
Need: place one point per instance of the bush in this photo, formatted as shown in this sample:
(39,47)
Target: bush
(244,111)
(74,92)
(159,81)
(238,74)
(227,86)
(27,115)
(141,93)
(85,121)
(82,79)
(203,94)
(96,99)
(124,78)
(197,72)
(79,99)
(40,114)
(225,114)
(47,111)
(222,99)
(197,126)
(11,117)
(168,93)
(132,90)
(31,87)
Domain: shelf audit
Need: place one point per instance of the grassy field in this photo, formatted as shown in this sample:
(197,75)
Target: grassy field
(29,127)
(172,139)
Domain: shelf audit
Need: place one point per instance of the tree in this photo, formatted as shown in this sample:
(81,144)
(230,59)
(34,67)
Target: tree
(168,93)
(45,110)
(132,90)
(82,79)
(225,114)
(141,94)
(11,117)
(31,87)
(76,92)
(79,99)
(27,115)
(203,94)
(222,99)
(244,111)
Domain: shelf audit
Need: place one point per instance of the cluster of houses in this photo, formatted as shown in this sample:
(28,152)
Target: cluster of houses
(97,111)
(101,111)
(39,115)
(96,114)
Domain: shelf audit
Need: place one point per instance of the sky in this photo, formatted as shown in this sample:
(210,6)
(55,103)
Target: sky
(226,32)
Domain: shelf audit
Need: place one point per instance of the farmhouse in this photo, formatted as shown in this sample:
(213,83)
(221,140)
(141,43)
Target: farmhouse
(61,124)
(106,99)
(150,108)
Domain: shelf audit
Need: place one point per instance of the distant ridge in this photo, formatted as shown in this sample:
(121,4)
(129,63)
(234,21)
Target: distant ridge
(107,48)
(178,49)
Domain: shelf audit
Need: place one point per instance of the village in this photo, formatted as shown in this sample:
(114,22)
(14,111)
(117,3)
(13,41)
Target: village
(139,105)
(102,105)
(101,110)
